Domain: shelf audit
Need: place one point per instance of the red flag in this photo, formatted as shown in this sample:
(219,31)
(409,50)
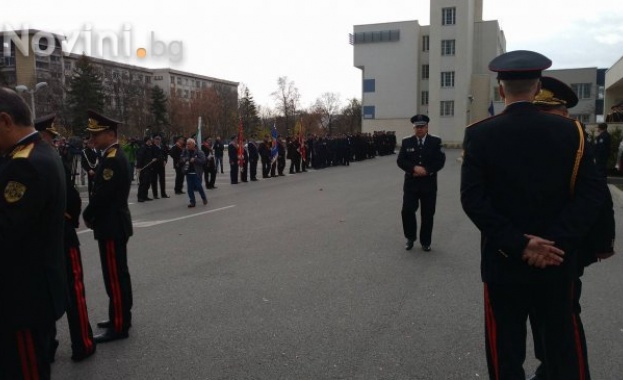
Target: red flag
(302,143)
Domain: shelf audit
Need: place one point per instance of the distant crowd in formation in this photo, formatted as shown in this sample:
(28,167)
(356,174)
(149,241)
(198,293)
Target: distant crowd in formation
(200,162)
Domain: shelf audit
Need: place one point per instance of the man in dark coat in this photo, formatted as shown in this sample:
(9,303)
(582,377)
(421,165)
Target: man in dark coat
(602,146)
(515,187)
(108,215)
(253,158)
(32,274)
(421,157)
(144,165)
(176,152)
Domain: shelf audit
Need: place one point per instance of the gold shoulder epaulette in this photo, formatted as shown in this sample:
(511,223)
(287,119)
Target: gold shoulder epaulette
(22,151)
(111,153)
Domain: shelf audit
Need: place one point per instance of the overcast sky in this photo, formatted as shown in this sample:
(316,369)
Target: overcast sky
(255,42)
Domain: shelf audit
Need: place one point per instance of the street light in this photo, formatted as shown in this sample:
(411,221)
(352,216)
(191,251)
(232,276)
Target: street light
(38,86)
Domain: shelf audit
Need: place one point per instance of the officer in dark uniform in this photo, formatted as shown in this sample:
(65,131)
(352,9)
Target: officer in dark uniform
(80,332)
(32,273)
(421,157)
(89,161)
(602,146)
(109,216)
(144,165)
(254,157)
(264,151)
(515,187)
(161,153)
(232,152)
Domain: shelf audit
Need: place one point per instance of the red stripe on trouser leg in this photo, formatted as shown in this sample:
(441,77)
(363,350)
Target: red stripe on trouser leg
(80,301)
(23,355)
(115,285)
(30,347)
(578,339)
(491,333)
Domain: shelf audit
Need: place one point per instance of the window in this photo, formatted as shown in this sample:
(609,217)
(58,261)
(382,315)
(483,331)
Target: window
(447,108)
(369,85)
(582,89)
(448,47)
(447,79)
(425,43)
(376,36)
(448,16)
(424,100)
(172,79)
(179,81)
(600,92)
(425,71)
(368,112)
(582,118)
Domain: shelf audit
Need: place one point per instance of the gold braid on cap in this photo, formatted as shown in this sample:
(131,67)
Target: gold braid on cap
(93,124)
(546,97)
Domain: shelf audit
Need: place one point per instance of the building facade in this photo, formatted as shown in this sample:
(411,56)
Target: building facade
(26,59)
(439,69)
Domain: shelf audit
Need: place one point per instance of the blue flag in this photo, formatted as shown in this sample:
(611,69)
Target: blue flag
(274,152)
(491,109)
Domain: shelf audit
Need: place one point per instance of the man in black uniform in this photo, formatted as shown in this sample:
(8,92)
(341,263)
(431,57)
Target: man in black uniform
(144,165)
(109,216)
(232,152)
(32,273)
(264,151)
(89,161)
(253,158)
(515,186)
(80,332)
(602,146)
(160,153)
(421,157)
(176,153)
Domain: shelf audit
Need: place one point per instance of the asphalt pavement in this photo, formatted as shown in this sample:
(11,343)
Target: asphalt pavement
(306,277)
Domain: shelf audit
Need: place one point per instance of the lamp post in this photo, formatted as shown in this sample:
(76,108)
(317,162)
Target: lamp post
(21,88)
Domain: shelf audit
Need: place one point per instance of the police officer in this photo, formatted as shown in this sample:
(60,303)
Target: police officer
(602,146)
(80,332)
(421,157)
(515,187)
(32,272)
(109,216)
(89,161)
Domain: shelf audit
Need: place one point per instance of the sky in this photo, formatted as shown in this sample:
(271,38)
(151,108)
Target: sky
(256,42)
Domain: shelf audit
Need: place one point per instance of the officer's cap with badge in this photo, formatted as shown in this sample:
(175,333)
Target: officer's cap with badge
(46,124)
(99,123)
(419,119)
(519,64)
(555,93)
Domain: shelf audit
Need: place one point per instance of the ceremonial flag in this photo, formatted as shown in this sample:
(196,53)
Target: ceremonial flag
(240,146)
(274,151)
(491,109)
(303,148)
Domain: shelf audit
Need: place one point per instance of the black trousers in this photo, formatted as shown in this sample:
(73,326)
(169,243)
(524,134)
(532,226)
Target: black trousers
(179,180)
(114,259)
(281,165)
(25,353)
(233,174)
(265,168)
(253,169)
(157,178)
(144,181)
(539,349)
(210,176)
(244,172)
(560,330)
(80,330)
(411,201)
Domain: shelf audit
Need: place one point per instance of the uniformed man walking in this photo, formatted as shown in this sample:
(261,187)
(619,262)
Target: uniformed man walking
(109,216)
(421,157)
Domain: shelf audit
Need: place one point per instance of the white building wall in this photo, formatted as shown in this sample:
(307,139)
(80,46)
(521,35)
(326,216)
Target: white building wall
(614,86)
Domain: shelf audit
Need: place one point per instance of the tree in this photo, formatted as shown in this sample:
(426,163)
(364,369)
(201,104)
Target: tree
(85,91)
(288,99)
(352,115)
(158,108)
(327,105)
(248,112)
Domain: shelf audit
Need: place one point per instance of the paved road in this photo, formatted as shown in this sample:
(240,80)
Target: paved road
(306,277)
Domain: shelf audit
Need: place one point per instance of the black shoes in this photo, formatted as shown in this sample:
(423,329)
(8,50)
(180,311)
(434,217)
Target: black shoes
(191,205)
(180,192)
(426,248)
(409,244)
(205,202)
(78,357)
(104,324)
(165,196)
(109,335)
(156,197)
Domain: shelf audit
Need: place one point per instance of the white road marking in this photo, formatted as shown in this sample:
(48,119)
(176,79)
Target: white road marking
(144,224)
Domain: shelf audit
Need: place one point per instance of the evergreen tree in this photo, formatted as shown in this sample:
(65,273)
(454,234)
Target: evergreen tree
(85,91)
(158,109)
(248,113)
